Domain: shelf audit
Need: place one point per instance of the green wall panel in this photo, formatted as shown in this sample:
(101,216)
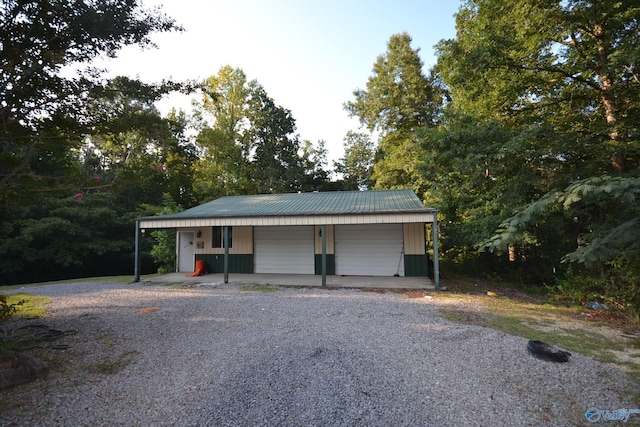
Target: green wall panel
(238,263)
(331,264)
(415,265)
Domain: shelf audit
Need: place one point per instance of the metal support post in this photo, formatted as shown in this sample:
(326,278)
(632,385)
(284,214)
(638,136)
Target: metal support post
(436,260)
(225,232)
(323,231)
(136,265)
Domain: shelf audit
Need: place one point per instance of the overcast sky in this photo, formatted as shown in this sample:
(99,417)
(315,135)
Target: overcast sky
(309,55)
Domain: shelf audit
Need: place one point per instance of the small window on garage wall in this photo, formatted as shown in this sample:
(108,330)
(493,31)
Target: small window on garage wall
(217,238)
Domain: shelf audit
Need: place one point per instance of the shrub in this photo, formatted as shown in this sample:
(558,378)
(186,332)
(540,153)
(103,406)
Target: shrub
(7,310)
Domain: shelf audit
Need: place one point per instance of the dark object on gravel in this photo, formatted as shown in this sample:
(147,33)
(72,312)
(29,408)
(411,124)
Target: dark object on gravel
(544,351)
(18,368)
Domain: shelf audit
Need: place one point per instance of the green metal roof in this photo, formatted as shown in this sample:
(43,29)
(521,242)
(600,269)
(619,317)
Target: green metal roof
(297,204)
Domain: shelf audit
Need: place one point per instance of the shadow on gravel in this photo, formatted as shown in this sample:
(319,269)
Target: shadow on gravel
(306,385)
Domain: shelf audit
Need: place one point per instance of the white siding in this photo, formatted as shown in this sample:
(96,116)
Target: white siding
(286,249)
(369,250)
(414,239)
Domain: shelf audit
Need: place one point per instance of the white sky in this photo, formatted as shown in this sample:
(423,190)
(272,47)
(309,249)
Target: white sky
(309,55)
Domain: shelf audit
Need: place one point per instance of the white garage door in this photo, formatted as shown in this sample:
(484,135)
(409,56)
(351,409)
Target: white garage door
(284,249)
(369,250)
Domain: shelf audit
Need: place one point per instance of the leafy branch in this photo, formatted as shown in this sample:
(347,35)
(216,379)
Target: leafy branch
(593,248)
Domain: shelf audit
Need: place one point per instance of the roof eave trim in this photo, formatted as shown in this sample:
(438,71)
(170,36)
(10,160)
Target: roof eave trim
(174,222)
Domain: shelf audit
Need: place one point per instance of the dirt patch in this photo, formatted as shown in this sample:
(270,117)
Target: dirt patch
(460,314)
(414,293)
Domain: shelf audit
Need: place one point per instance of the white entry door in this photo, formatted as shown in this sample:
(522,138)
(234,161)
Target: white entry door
(186,260)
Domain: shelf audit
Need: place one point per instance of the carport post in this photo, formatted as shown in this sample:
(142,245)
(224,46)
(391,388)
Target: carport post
(225,232)
(436,261)
(323,231)
(136,262)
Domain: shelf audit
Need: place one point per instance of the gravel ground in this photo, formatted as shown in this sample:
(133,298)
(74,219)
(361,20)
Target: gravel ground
(219,356)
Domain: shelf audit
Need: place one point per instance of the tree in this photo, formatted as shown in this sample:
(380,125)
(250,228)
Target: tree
(249,144)
(569,64)
(43,113)
(314,163)
(50,193)
(223,166)
(399,96)
(136,152)
(357,163)
(559,79)
(163,250)
(276,164)
(399,99)
(82,235)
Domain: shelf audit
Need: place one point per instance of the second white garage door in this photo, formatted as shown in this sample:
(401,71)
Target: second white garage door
(369,250)
(287,249)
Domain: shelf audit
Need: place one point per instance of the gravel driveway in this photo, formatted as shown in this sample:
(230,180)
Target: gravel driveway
(153,355)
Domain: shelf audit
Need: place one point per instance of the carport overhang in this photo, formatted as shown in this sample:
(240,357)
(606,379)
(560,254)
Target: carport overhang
(426,216)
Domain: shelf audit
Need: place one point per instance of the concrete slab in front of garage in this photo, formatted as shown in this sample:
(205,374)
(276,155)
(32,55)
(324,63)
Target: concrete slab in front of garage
(299,280)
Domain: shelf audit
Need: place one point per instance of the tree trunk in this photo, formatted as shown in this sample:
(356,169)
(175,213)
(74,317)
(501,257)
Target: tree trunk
(608,99)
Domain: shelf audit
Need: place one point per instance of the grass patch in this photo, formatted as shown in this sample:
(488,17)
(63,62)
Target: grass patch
(27,306)
(110,367)
(259,288)
(105,339)
(575,336)
(604,336)
(119,279)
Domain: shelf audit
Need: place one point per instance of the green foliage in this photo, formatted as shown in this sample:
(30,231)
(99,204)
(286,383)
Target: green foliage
(44,114)
(22,305)
(222,168)
(595,250)
(276,166)
(396,163)
(136,152)
(78,153)
(248,143)
(398,95)
(598,243)
(535,107)
(542,63)
(7,310)
(315,167)
(132,161)
(163,251)
(70,237)
(617,288)
(399,100)
(357,164)
(472,172)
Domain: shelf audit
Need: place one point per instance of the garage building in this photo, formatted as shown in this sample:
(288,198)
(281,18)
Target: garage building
(365,233)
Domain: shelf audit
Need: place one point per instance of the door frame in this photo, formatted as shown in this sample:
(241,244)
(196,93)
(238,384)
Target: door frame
(183,254)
